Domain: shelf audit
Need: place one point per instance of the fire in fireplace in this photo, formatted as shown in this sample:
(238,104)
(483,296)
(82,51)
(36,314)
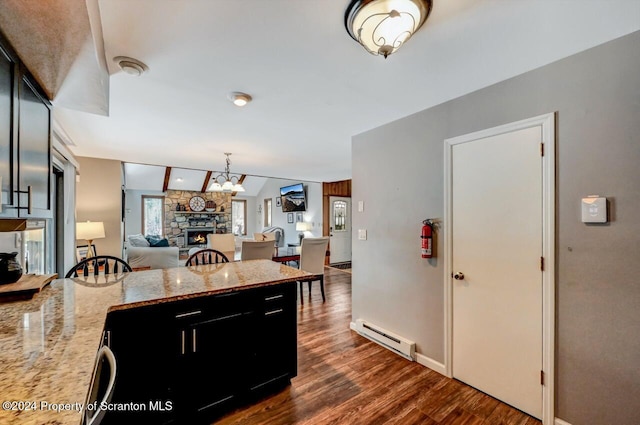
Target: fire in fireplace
(196,237)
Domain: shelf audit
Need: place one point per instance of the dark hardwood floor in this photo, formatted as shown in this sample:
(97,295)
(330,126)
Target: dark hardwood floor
(344,378)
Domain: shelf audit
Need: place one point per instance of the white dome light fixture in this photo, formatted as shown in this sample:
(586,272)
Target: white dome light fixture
(131,66)
(383,26)
(239,98)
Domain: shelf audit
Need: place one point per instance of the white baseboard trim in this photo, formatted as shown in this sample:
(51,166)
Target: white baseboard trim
(559,421)
(431,364)
(352,326)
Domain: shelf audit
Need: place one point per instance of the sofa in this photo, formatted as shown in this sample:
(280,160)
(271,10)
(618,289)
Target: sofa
(139,256)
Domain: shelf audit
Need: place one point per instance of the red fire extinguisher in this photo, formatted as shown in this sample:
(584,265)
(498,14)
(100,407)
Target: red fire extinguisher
(427,239)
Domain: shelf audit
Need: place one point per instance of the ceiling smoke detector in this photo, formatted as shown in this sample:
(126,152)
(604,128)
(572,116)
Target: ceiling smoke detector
(130,65)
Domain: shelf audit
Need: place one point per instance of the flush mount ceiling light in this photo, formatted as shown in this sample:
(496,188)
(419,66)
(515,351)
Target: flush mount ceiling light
(225,182)
(130,65)
(383,26)
(239,99)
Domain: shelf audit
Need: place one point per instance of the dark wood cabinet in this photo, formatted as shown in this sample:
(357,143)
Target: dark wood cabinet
(211,370)
(203,355)
(274,349)
(25,141)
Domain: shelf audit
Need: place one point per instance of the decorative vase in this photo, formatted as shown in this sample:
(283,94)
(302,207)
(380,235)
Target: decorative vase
(10,269)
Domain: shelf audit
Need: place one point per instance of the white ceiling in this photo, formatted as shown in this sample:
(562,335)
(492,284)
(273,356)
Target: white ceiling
(313,86)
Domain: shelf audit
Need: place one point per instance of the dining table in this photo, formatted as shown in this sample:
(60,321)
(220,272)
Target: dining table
(281,254)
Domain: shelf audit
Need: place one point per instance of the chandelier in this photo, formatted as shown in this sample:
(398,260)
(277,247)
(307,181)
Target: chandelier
(383,26)
(225,182)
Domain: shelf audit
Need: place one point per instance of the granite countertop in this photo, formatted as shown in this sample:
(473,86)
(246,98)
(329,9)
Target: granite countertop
(48,343)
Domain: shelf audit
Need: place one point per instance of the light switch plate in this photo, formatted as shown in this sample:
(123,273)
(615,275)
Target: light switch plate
(594,209)
(362,234)
(360,206)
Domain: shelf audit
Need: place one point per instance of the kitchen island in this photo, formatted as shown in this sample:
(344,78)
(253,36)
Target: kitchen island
(174,318)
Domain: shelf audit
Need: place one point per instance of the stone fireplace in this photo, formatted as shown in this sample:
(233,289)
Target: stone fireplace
(181,224)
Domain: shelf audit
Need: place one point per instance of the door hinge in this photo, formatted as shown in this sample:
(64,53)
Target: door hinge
(541,149)
(541,264)
(542,377)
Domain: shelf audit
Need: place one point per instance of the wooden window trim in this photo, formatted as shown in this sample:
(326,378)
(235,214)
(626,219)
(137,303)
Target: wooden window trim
(142,209)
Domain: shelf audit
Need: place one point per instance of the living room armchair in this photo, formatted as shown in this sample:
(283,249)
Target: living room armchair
(279,234)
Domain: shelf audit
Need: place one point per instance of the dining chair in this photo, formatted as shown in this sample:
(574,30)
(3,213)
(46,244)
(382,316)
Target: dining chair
(254,250)
(312,256)
(100,264)
(223,242)
(206,256)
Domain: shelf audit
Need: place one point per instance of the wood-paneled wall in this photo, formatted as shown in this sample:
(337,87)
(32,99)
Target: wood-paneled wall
(339,188)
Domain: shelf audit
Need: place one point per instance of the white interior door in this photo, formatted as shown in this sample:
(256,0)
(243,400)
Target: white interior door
(497,240)
(340,229)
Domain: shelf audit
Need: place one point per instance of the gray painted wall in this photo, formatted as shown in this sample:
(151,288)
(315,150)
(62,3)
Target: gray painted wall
(313,214)
(398,173)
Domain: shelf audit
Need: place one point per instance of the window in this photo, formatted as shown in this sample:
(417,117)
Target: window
(239,217)
(339,216)
(152,215)
(267,212)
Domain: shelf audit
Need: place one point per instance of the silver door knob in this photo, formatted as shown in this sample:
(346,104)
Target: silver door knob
(458,276)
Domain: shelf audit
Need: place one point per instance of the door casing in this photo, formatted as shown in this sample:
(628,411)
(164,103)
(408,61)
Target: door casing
(547,122)
(348,232)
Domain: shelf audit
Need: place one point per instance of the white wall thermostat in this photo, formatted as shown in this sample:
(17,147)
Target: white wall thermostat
(594,209)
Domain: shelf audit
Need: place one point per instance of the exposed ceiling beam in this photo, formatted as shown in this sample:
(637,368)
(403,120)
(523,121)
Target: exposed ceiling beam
(206,181)
(240,181)
(167,176)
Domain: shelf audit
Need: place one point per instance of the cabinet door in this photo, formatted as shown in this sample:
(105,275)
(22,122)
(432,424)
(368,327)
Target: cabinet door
(34,152)
(141,342)
(274,352)
(212,368)
(7,69)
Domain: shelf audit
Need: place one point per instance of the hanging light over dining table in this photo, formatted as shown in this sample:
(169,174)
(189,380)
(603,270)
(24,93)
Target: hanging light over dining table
(225,182)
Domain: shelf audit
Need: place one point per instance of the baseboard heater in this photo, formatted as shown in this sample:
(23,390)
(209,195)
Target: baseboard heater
(393,342)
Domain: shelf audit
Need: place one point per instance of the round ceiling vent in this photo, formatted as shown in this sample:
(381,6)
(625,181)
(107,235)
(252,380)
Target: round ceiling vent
(130,65)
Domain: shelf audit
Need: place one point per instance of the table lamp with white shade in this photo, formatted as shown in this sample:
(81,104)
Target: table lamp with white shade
(301,227)
(90,230)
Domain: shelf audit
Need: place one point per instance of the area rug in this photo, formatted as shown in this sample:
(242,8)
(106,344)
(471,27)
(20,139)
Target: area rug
(346,266)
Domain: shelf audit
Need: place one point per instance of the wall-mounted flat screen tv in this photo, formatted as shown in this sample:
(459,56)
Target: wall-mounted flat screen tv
(293,198)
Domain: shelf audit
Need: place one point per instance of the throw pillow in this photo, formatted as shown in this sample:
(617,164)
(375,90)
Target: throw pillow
(157,241)
(138,240)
